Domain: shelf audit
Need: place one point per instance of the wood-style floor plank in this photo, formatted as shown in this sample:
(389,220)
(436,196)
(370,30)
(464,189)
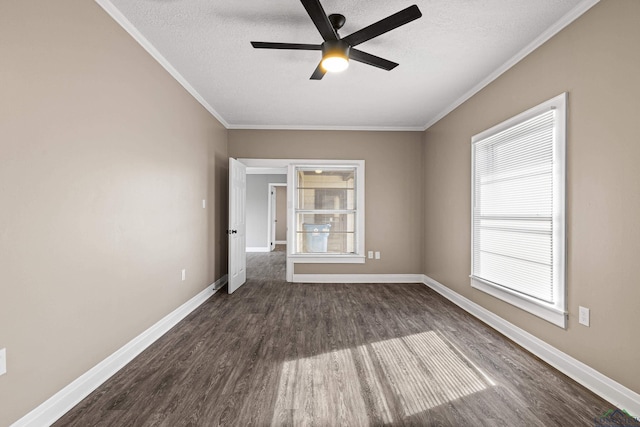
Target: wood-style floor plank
(291,354)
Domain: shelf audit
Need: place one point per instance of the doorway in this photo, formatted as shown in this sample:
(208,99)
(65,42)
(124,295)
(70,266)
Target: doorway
(256,241)
(260,214)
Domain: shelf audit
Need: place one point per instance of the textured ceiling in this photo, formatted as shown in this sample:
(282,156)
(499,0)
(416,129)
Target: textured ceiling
(456,46)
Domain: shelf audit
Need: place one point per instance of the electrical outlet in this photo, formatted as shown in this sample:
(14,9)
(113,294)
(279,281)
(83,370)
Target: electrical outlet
(583,316)
(3,361)
(370,255)
(184,274)
(204,204)
(377,254)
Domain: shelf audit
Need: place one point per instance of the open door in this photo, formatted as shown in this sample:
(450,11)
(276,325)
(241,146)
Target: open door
(237,225)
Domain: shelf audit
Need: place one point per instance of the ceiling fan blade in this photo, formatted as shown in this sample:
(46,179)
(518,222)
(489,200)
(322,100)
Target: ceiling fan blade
(292,46)
(320,19)
(387,24)
(376,61)
(319,73)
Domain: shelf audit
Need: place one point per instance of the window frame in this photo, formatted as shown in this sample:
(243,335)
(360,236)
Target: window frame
(555,313)
(358,257)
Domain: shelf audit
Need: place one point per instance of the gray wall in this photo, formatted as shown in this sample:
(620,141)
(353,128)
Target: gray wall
(281,213)
(258,208)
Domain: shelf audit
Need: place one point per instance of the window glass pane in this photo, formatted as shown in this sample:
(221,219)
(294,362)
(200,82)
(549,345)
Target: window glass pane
(326,178)
(337,223)
(325,233)
(326,198)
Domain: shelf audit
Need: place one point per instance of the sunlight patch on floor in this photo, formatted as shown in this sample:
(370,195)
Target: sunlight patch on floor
(319,390)
(420,371)
(425,372)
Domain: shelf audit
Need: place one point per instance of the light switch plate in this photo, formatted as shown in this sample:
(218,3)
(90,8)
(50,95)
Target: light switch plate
(3,361)
(377,254)
(583,316)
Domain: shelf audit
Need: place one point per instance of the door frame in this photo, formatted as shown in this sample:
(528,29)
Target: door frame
(272,166)
(271,214)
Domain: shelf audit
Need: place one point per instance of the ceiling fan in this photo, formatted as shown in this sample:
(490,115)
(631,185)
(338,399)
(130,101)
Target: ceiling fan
(336,50)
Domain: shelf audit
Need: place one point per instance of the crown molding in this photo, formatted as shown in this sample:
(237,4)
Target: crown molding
(558,26)
(334,128)
(117,16)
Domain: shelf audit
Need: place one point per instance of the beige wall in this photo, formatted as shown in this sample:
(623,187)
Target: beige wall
(104,161)
(596,60)
(393,194)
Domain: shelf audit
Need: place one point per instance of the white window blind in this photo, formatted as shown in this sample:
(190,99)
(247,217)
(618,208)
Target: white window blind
(518,210)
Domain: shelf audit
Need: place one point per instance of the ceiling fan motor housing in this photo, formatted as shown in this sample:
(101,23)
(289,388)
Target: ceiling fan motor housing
(335,48)
(337,20)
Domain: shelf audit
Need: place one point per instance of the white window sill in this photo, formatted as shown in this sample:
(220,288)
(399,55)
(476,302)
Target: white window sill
(537,308)
(326,259)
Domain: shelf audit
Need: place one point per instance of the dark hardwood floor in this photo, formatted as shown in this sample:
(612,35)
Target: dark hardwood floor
(277,353)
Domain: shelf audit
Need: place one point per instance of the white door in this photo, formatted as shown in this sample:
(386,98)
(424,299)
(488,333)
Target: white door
(237,225)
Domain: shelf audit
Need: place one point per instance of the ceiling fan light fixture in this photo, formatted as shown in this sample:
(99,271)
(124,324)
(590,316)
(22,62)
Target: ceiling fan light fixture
(335,56)
(335,64)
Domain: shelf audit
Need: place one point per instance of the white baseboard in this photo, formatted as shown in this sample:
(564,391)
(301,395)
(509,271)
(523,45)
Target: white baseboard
(358,278)
(258,249)
(598,383)
(281,242)
(220,282)
(60,403)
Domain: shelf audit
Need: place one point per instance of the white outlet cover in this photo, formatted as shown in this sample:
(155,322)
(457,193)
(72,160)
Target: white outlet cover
(3,361)
(370,255)
(377,254)
(204,203)
(184,273)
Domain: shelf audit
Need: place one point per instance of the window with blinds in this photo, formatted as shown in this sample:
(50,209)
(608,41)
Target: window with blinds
(518,210)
